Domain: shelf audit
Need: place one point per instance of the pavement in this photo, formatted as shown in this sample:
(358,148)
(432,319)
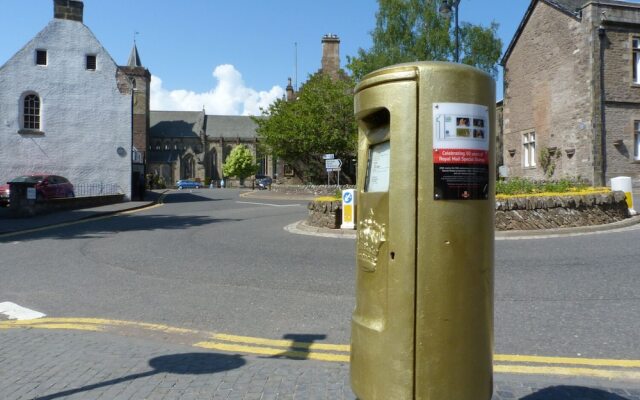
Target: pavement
(60,358)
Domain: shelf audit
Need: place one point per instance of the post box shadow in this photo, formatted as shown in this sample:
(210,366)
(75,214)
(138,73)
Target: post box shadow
(182,364)
(300,346)
(572,392)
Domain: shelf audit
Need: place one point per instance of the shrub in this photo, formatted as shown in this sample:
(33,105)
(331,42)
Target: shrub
(523,186)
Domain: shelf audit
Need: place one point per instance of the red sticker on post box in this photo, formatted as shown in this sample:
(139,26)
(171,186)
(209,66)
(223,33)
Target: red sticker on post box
(461,151)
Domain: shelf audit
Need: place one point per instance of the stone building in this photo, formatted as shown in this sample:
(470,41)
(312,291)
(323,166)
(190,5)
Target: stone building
(66,107)
(194,145)
(572,92)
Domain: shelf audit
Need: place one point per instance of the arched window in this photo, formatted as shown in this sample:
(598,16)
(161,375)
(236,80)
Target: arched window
(31,112)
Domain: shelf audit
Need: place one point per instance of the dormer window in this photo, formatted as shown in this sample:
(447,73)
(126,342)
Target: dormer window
(41,57)
(91,62)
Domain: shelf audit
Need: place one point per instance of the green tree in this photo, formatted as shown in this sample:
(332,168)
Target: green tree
(240,163)
(414,30)
(319,121)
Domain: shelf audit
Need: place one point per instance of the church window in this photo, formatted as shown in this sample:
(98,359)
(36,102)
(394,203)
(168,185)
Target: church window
(635,44)
(91,62)
(31,112)
(41,57)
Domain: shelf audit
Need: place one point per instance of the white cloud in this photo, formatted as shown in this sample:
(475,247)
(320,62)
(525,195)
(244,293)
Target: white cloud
(229,97)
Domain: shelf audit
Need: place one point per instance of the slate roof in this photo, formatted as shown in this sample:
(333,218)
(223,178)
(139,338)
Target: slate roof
(231,126)
(175,124)
(134,58)
(184,124)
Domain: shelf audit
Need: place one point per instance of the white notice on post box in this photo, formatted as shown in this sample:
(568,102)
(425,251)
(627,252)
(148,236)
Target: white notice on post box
(378,168)
(31,193)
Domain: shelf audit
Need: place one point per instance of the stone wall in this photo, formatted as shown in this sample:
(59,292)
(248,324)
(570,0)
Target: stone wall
(525,213)
(560,211)
(325,214)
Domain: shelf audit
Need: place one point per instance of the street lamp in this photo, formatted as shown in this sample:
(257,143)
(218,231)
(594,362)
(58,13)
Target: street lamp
(445,9)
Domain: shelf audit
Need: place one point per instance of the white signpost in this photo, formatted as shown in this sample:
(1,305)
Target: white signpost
(333,165)
(328,157)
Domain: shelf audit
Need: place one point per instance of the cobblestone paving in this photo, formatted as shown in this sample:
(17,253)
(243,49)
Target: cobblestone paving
(47,365)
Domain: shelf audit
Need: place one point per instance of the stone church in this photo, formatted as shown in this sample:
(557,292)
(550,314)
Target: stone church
(194,145)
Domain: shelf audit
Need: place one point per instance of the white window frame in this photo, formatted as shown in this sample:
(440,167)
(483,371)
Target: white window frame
(635,49)
(35,121)
(636,140)
(94,60)
(45,53)
(529,149)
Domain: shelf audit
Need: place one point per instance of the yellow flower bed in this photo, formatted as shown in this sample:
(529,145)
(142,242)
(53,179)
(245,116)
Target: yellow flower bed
(592,190)
(327,198)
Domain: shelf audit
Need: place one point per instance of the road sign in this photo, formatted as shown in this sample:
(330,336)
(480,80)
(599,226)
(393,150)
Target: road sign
(334,164)
(328,157)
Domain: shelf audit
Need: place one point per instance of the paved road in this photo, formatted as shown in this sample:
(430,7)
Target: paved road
(211,263)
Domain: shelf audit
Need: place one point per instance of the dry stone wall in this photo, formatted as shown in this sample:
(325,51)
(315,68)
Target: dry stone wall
(526,213)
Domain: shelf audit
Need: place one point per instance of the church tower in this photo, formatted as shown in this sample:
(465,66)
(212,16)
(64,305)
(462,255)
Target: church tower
(140,79)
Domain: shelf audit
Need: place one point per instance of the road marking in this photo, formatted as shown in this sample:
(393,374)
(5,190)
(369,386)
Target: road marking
(274,352)
(282,343)
(581,372)
(571,361)
(268,204)
(19,313)
(616,369)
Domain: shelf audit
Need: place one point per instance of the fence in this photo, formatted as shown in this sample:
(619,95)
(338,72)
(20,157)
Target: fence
(96,189)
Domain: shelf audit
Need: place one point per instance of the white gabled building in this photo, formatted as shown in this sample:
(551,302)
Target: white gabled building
(66,107)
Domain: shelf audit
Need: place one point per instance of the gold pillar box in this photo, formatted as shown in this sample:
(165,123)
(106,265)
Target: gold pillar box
(423,323)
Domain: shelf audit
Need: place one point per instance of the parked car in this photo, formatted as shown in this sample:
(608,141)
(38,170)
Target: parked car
(263,181)
(48,186)
(4,195)
(188,184)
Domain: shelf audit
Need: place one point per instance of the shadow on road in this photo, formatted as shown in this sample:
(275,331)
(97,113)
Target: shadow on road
(300,346)
(93,228)
(572,393)
(183,364)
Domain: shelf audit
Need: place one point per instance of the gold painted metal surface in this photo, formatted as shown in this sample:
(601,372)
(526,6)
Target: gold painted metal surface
(423,323)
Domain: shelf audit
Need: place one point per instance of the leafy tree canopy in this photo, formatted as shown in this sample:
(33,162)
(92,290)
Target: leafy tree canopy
(319,121)
(414,30)
(240,163)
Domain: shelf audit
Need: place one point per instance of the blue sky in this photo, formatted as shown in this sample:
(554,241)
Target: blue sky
(230,56)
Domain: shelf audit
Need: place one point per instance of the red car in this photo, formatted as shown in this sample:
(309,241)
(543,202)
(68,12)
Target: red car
(48,186)
(4,195)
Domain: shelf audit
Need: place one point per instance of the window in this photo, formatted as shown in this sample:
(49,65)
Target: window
(91,62)
(636,140)
(31,112)
(41,57)
(529,149)
(635,45)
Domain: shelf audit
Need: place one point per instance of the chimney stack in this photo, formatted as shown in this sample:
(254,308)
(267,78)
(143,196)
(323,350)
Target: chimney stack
(71,10)
(331,55)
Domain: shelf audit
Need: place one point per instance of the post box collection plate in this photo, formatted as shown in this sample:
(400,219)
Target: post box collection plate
(460,151)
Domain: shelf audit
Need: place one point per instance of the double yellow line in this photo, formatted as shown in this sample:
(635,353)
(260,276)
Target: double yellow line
(612,369)
(277,348)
